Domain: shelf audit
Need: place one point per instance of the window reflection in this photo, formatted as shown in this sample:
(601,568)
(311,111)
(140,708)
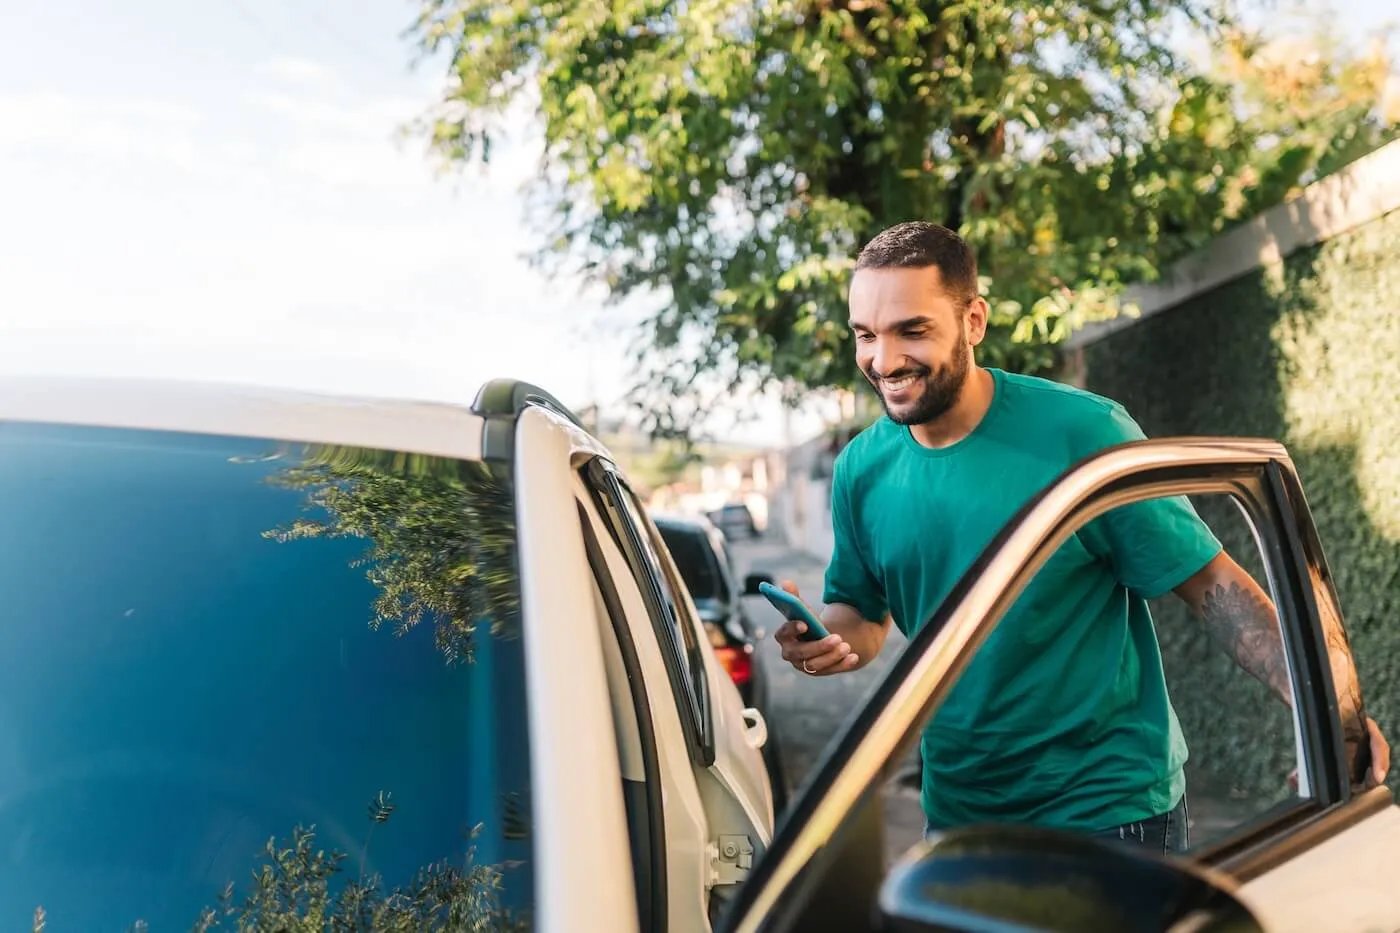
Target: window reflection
(441,536)
(205,722)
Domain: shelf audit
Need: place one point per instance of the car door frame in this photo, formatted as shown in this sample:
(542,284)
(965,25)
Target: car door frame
(696,719)
(728,743)
(1260,476)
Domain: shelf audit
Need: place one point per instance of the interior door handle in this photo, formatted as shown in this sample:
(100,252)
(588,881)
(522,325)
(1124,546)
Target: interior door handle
(755,728)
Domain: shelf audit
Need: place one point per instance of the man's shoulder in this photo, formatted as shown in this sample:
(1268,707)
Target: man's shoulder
(1084,421)
(1048,397)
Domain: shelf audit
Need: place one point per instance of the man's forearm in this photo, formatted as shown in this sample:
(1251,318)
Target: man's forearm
(1241,619)
(865,637)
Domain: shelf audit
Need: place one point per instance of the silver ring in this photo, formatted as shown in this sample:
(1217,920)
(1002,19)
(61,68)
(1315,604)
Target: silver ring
(806,668)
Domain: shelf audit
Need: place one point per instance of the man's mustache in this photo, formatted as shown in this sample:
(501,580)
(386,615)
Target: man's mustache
(897,374)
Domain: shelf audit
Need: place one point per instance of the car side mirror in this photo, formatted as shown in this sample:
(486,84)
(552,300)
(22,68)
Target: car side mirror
(1017,879)
(752,581)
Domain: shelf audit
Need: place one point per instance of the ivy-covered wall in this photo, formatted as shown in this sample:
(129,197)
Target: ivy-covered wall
(1309,354)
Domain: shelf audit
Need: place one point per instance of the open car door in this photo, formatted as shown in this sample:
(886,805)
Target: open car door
(1322,861)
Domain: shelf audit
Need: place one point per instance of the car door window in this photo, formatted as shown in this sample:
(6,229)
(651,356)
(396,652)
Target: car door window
(235,670)
(675,631)
(1242,741)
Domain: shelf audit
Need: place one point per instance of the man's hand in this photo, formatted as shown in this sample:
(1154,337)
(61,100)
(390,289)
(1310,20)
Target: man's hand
(831,655)
(1380,758)
(1380,754)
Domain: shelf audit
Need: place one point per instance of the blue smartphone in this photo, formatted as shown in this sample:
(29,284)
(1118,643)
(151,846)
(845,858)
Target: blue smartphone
(793,609)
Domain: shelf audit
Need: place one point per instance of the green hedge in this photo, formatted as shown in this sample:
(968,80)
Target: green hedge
(1308,354)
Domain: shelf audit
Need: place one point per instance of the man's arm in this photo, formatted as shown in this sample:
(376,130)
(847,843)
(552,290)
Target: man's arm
(865,637)
(1241,619)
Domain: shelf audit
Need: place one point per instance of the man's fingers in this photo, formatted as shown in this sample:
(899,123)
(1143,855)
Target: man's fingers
(798,651)
(790,587)
(1380,753)
(826,656)
(833,663)
(787,634)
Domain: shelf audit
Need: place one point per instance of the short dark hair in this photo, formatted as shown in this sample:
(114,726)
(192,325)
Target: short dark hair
(918,245)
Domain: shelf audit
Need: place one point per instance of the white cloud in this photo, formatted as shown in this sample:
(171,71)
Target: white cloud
(296,70)
(149,131)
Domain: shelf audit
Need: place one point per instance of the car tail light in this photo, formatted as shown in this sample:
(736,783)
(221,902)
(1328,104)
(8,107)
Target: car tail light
(738,662)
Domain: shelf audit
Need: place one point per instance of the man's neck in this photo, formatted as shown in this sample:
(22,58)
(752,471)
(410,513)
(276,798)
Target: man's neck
(963,418)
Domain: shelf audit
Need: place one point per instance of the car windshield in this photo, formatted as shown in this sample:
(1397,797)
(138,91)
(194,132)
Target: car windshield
(696,561)
(247,684)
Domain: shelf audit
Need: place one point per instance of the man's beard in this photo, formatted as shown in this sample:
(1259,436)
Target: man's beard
(942,388)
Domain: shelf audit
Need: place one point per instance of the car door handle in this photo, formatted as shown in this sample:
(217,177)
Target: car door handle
(755,728)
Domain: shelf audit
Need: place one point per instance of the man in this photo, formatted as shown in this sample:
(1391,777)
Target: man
(1062,718)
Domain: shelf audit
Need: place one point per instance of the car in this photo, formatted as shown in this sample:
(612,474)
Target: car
(274,660)
(401,665)
(735,520)
(707,569)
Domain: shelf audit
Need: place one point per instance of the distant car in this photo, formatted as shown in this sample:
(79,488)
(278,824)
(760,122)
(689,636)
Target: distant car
(707,568)
(735,520)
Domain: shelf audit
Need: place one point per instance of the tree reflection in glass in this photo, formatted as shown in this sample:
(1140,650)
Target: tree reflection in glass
(441,536)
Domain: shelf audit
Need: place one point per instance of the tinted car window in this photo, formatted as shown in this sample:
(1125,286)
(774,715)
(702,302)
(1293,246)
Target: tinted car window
(695,560)
(242,682)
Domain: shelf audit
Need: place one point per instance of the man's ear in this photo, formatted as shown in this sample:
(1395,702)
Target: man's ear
(977,311)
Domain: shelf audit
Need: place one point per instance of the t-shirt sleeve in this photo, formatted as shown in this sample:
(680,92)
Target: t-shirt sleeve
(849,579)
(1152,546)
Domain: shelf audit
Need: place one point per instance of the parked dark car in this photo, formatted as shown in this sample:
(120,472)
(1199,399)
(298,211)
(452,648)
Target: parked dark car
(707,567)
(735,520)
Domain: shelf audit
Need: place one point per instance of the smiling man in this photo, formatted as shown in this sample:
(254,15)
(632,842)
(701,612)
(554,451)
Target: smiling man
(1063,717)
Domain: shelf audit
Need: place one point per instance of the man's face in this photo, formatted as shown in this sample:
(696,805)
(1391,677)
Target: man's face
(912,340)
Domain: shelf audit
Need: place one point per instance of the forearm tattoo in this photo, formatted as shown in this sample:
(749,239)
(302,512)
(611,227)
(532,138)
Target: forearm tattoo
(1243,622)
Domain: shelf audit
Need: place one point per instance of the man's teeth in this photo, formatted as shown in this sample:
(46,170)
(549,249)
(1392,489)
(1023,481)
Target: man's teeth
(894,385)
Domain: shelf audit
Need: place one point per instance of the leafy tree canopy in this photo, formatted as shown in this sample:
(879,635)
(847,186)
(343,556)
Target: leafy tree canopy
(733,156)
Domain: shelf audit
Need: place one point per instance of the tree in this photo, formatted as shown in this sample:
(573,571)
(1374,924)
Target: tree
(733,157)
(1317,104)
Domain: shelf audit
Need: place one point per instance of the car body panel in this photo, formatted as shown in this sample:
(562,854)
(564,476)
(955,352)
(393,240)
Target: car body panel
(1346,883)
(685,823)
(739,800)
(571,721)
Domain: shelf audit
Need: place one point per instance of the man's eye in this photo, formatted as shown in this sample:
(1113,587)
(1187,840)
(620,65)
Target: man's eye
(865,338)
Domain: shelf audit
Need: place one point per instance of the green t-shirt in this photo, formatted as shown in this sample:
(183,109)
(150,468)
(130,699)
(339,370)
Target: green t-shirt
(1062,718)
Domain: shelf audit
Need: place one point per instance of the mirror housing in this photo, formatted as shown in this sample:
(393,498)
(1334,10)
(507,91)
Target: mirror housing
(1019,879)
(752,581)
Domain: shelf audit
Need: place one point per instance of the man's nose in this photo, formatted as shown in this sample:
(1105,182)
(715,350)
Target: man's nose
(887,358)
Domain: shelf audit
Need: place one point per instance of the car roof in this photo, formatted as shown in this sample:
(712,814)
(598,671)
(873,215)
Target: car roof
(433,428)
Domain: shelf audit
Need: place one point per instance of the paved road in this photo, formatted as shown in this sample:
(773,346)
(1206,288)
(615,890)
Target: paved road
(808,711)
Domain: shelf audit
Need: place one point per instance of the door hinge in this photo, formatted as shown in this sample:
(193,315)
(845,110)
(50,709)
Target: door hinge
(730,859)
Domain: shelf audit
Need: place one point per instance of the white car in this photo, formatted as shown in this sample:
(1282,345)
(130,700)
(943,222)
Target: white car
(273,661)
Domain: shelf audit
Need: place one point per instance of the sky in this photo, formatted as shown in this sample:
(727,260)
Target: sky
(215,190)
